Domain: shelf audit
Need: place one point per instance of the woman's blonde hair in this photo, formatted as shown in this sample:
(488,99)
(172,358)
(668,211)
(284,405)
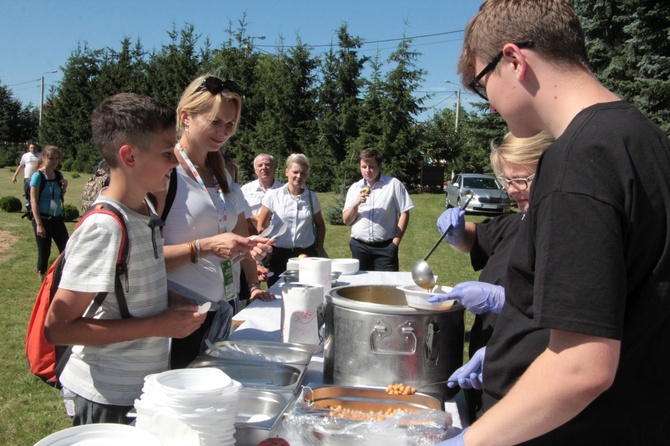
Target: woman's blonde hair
(196,100)
(520,151)
(299,159)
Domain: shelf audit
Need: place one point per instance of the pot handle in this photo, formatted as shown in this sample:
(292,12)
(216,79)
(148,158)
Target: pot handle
(432,339)
(402,341)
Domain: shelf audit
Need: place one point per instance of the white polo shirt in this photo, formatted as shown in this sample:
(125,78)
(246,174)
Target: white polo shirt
(296,212)
(254,193)
(377,218)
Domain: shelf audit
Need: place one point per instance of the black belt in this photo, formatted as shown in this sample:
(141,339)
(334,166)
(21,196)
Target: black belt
(375,244)
(293,249)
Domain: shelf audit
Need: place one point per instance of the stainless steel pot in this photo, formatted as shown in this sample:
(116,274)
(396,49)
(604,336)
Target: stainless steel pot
(372,338)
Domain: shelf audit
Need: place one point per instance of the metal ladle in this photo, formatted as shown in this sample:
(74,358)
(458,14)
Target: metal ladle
(421,272)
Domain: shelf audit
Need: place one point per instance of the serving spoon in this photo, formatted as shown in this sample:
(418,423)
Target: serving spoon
(422,275)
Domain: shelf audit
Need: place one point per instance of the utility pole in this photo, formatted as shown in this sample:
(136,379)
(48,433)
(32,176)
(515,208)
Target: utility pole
(458,106)
(42,93)
(458,103)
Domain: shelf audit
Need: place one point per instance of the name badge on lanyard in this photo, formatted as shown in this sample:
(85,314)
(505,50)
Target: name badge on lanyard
(226,266)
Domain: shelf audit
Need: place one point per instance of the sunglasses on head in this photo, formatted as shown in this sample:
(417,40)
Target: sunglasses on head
(215,86)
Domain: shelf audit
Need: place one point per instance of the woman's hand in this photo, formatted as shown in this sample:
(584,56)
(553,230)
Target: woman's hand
(226,246)
(262,272)
(40,231)
(259,294)
(258,248)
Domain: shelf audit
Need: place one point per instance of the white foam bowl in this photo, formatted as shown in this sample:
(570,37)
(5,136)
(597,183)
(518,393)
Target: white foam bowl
(345,266)
(417,297)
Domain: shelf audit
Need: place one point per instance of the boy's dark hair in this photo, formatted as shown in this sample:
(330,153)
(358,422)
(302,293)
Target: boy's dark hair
(370,153)
(128,118)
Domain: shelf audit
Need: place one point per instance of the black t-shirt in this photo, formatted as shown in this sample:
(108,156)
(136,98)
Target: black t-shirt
(490,253)
(592,256)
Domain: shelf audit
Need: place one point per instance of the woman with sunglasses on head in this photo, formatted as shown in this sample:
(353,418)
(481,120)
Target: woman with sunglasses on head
(47,189)
(205,229)
(514,161)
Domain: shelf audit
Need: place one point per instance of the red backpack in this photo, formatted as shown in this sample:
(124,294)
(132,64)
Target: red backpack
(46,360)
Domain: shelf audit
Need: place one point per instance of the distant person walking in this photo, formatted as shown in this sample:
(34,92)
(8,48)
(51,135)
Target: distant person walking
(47,188)
(27,164)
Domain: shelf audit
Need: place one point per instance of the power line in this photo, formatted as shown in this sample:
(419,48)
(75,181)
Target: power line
(371,42)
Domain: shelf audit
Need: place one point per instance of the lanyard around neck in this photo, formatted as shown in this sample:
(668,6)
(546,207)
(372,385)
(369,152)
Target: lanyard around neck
(197,177)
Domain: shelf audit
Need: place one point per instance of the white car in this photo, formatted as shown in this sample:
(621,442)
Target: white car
(489,194)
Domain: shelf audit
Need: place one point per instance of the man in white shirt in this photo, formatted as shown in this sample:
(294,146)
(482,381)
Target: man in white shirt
(27,163)
(265,166)
(377,209)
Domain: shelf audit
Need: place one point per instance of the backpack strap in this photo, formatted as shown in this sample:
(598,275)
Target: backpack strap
(121,268)
(171,193)
(58,176)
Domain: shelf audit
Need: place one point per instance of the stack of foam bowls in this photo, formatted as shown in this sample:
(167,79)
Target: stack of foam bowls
(190,406)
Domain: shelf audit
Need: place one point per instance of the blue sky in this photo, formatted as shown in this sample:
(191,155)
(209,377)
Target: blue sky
(39,36)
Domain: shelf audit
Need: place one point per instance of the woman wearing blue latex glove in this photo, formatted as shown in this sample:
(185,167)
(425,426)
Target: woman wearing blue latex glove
(454,441)
(476,297)
(489,242)
(470,375)
(453,221)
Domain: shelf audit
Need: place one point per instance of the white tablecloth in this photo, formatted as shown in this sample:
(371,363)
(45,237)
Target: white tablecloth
(261,321)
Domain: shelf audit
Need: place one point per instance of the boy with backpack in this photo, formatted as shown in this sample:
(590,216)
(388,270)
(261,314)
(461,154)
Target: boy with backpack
(111,355)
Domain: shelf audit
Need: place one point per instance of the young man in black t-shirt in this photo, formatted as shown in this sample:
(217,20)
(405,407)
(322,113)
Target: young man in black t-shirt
(580,351)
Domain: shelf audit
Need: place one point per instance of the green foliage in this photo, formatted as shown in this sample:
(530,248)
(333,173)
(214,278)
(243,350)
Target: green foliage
(629,49)
(10,204)
(70,212)
(333,212)
(324,106)
(75,175)
(10,155)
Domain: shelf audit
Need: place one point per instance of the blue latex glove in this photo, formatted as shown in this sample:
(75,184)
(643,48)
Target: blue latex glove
(477,297)
(470,375)
(454,441)
(453,221)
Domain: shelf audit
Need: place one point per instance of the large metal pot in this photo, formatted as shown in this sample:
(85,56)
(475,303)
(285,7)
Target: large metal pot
(372,338)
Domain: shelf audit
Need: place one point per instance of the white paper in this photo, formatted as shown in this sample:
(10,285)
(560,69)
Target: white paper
(300,305)
(315,271)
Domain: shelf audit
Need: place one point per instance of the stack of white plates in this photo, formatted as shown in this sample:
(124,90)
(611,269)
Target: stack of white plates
(190,406)
(101,434)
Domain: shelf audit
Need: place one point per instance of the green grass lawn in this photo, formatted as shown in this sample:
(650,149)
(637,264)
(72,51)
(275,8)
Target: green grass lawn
(30,410)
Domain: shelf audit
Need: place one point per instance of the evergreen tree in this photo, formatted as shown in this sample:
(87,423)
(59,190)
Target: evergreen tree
(399,137)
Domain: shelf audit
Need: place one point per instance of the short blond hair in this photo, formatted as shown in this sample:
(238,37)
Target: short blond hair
(520,151)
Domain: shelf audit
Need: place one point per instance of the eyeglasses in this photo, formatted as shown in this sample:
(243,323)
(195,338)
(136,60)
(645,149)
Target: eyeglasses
(215,86)
(519,184)
(481,89)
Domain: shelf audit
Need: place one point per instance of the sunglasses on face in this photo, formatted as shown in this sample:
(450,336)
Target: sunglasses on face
(215,86)
(481,89)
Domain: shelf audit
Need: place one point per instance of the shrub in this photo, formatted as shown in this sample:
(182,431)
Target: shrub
(333,213)
(10,204)
(75,175)
(70,212)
